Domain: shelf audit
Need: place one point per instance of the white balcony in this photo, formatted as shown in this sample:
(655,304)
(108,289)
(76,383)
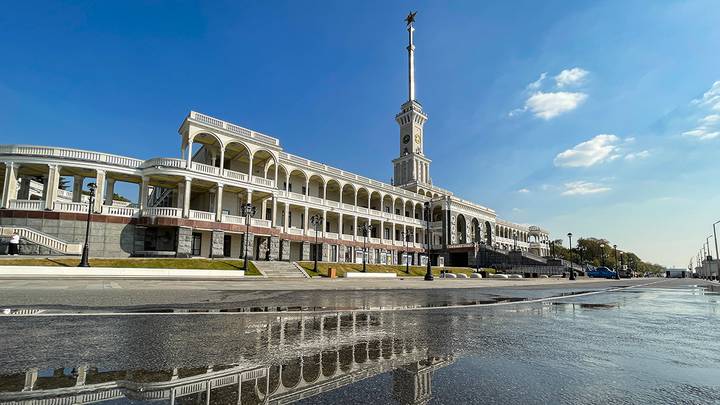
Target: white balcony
(263,223)
(296,196)
(120,211)
(295,231)
(27,205)
(332,203)
(233,219)
(202,215)
(347,237)
(71,207)
(263,181)
(316,200)
(165,162)
(374,240)
(232,174)
(169,212)
(331,235)
(203,168)
(362,210)
(348,207)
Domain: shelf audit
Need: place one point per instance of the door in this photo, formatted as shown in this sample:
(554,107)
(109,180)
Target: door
(227,242)
(196,244)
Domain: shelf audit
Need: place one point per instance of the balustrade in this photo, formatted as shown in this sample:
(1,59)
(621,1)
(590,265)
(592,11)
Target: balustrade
(263,223)
(27,205)
(295,231)
(120,211)
(202,215)
(170,212)
(263,181)
(203,168)
(232,174)
(233,219)
(70,207)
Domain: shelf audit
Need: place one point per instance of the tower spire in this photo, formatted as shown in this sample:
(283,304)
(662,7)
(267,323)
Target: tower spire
(410,20)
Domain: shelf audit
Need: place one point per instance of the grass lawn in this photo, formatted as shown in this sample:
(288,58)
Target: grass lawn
(160,263)
(415,271)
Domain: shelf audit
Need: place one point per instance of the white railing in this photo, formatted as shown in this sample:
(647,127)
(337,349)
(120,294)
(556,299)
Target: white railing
(296,196)
(374,240)
(263,223)
(347,237)
(295,231)
(164,162)
(232,174)
(332,203)
(331,235)
(44,240)
(66,153)
(263,181)
(170,212)
(27,205)
(388,215)
(120,211)
(348,207)
(398,243)
(376,212)
(203,168)
(70,207)
(316,200)
(362,210)
(233,219)
(65,194)
(206,119)
(202,215)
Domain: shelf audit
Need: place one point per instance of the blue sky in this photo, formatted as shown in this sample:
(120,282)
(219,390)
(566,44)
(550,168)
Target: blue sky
(598,118)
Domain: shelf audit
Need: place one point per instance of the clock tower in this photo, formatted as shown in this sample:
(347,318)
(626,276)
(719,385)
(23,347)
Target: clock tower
(411,166)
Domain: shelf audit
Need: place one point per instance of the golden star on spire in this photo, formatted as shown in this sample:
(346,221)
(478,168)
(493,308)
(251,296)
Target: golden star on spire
(410,18)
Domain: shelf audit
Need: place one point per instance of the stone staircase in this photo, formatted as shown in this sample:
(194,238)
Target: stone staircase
(37,243)
(279,269)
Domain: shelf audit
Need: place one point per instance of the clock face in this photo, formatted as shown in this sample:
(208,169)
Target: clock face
(406,138)
(417,138)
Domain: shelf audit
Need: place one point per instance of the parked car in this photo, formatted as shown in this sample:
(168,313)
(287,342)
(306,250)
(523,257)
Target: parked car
(602,272)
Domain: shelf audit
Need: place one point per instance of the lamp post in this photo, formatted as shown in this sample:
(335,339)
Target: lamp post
(366,231)
(717,256)
(84,260)
(316,220)
(428,272)
(407,262)
(572,269)
(617,271)
(602,254)
(248,211)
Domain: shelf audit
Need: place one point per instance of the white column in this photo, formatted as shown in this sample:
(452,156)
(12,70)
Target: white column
(340,226)
(305,220)
(250,164)
(99,191)
(110,191)
(355,229)
(287,217)
(186,197)
(273,214)
(218,203)
(10,184)
(77,188)
(180,194)
(382,232)
(222,161)
(143,193)
(189,152)
(263,209)
(51,187)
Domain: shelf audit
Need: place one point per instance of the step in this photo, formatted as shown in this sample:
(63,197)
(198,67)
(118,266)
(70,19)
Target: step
(279,269)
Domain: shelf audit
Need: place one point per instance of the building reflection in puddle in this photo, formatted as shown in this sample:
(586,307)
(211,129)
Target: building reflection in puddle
(287,358)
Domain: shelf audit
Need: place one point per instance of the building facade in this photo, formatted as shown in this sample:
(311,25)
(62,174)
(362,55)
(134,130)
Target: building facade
(195,205)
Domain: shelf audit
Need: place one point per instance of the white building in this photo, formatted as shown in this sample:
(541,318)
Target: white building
(193,205)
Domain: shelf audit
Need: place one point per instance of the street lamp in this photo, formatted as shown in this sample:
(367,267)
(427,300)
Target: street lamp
(572,269)
(316,220)
(366,231)
(248,211)
(404,235)
(717,256)
(86,248)
(617,271)
(602,254)
(428,273)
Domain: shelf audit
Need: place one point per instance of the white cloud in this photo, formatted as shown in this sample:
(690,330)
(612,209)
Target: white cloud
(702,133)
(523,191)
(584,188)
(550,105)
(711,96)
(570,77)
(710,119)
(597,150)
(537,83)
(639,155)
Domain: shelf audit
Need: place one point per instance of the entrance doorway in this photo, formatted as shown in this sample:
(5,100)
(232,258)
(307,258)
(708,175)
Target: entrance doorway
(227,243)
(196,244)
